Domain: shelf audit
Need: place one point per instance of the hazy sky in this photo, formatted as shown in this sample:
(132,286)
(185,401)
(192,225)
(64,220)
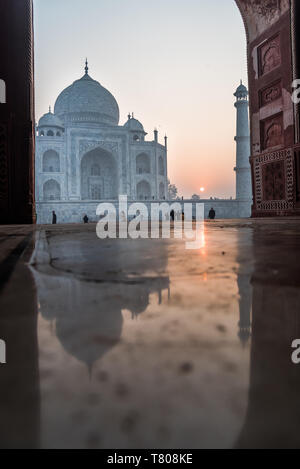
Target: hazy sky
(174,63)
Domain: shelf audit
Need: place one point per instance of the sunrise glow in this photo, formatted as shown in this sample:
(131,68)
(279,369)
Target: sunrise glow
(170,81)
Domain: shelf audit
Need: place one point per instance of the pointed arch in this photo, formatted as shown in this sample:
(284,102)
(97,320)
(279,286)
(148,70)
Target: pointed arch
(51,162)
(143,165)
(99,176)
(161,166)
(162,194)
(143,190)
(51,190)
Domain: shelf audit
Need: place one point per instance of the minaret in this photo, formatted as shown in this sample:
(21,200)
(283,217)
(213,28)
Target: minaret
(242,169)
(244,276)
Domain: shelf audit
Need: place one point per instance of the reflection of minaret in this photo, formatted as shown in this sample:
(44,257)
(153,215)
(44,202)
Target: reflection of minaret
(245,290)
(242,169)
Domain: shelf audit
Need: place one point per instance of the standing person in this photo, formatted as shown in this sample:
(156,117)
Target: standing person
(212,214)
(85,219)
(54,218)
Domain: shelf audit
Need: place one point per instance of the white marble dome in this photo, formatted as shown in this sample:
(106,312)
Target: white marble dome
(241,91)
(87,101)
(134,125)
(50,120)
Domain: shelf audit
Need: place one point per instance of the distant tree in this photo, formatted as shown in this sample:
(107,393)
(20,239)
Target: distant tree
(172,191)
(196,197)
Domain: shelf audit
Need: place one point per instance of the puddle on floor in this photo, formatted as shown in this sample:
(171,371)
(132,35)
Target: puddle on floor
(144,345)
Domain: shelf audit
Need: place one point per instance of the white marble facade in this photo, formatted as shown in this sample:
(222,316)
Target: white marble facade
(84,156)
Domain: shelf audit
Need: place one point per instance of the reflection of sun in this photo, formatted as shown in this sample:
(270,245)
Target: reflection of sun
(203,239)
(203,244)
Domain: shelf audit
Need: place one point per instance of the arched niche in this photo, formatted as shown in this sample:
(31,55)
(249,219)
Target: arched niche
(51,162)
(51,190)
(143,190)
(161,191)
(99,176)
(143,165)
(161,166)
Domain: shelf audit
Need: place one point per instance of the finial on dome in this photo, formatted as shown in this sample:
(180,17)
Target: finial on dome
(49,109)
(129,116)
(86,67)
(241,82)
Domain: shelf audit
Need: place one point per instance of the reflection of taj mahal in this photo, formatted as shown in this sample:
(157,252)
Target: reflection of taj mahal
(84,156)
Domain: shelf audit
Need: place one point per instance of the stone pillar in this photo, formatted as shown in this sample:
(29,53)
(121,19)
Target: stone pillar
(242,169)
(17,123)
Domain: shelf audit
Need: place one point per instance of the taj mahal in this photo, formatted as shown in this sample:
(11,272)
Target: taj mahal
(84,156)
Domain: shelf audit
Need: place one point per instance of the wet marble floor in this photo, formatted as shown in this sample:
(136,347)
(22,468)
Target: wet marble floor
(144,344)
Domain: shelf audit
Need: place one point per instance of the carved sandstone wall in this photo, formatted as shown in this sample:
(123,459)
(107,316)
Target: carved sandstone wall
(271,71)
(259,15)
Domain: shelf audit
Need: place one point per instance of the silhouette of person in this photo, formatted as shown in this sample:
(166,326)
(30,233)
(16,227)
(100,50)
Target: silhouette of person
(85,219)
(54,218)
(172,215)
(212,214)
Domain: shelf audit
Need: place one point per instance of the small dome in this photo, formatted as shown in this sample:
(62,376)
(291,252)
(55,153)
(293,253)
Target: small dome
(134,125)
(50,120)
(87,101)
(241,91)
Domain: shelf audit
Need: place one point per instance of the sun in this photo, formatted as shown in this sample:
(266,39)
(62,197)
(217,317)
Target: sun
(202,189)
